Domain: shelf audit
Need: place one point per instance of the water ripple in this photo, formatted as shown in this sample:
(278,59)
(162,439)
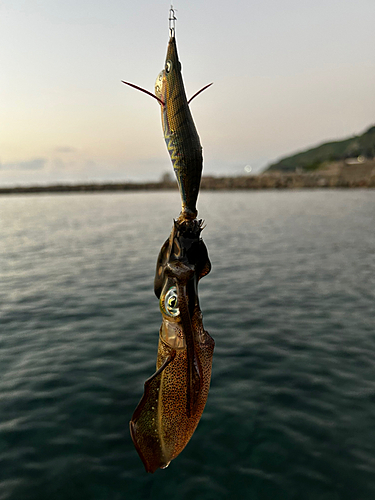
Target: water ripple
(289,302)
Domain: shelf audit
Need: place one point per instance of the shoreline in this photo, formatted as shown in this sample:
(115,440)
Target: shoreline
(338,176)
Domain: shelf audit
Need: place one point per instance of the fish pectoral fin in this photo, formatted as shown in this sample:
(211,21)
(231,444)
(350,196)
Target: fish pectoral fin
(197,93)
(147,91)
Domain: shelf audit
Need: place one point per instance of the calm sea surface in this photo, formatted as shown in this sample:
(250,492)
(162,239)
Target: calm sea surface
(290,303)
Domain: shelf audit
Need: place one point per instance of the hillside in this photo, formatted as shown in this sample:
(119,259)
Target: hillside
(315,158)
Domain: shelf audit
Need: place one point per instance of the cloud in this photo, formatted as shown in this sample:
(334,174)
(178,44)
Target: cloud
(35,164)
(65,149)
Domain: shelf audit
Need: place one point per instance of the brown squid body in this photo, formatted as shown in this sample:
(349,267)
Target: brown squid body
(175,396)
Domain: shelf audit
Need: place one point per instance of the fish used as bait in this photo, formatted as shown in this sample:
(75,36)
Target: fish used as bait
(180,133)
(175,396)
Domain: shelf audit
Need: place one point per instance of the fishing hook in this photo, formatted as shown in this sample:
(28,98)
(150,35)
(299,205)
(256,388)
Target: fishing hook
(172,19)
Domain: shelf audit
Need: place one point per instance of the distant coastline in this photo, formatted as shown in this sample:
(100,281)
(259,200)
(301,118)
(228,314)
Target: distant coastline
(337,175)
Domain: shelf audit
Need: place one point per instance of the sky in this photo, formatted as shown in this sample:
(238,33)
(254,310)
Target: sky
(288,75)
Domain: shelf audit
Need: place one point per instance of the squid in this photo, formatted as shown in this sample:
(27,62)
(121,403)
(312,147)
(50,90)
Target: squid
(175,395)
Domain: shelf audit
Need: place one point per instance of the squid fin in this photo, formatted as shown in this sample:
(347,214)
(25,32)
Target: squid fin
(143,425)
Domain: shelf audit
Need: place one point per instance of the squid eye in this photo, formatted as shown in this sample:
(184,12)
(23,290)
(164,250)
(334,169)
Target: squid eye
(168,66)
(171,302)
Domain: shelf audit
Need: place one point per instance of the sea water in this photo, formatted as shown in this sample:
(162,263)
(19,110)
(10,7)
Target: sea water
(290,302)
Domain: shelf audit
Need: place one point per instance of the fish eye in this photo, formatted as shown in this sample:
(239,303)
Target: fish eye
(168,66)
(171,302)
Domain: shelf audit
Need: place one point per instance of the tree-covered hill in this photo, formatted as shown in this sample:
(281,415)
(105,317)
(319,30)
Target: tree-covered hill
(312,159)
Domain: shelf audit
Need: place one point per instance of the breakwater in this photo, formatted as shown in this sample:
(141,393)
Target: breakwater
(339,175)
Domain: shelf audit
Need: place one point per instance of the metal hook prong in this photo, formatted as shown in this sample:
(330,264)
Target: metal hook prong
(172,19)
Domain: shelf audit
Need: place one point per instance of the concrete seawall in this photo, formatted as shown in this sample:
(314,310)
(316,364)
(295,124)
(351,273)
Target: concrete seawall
(339,175)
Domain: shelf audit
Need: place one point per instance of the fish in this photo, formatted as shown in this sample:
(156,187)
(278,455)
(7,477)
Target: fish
(180,133)
(175,395)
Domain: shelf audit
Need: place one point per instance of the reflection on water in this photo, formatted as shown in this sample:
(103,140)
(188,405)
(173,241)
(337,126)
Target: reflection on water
(289,301)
